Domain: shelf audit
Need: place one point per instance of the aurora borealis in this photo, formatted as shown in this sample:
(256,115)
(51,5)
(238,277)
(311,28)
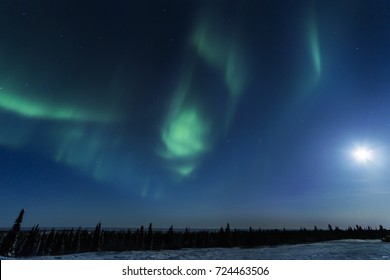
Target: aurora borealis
(194,113)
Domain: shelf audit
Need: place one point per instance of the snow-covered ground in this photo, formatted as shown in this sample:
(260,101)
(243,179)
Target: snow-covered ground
(337,250)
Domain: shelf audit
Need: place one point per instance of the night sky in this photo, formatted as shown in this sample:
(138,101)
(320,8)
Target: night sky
(194,114)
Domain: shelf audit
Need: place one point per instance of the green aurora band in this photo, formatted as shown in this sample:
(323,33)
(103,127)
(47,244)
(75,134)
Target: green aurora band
(185,134)
(224,53)
(185,138)
(32,108)
(227,59)
(75,136)
(308,77)
(314,45)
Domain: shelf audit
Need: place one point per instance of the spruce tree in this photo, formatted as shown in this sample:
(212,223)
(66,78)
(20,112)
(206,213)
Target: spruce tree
(31,245)
(8,245)
(97,238)
(150,238)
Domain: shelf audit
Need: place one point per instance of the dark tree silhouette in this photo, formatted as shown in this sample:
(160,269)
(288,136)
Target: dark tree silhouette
(30,244)
(8,244)
(35,242)
(96,244)
(149,242)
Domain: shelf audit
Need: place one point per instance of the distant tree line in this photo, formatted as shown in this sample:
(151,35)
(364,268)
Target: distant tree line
(35,242)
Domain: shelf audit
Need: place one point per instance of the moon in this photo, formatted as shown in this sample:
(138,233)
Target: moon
(362,154)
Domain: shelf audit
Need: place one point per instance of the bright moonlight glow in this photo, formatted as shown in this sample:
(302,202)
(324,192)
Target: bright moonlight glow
(362,154)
